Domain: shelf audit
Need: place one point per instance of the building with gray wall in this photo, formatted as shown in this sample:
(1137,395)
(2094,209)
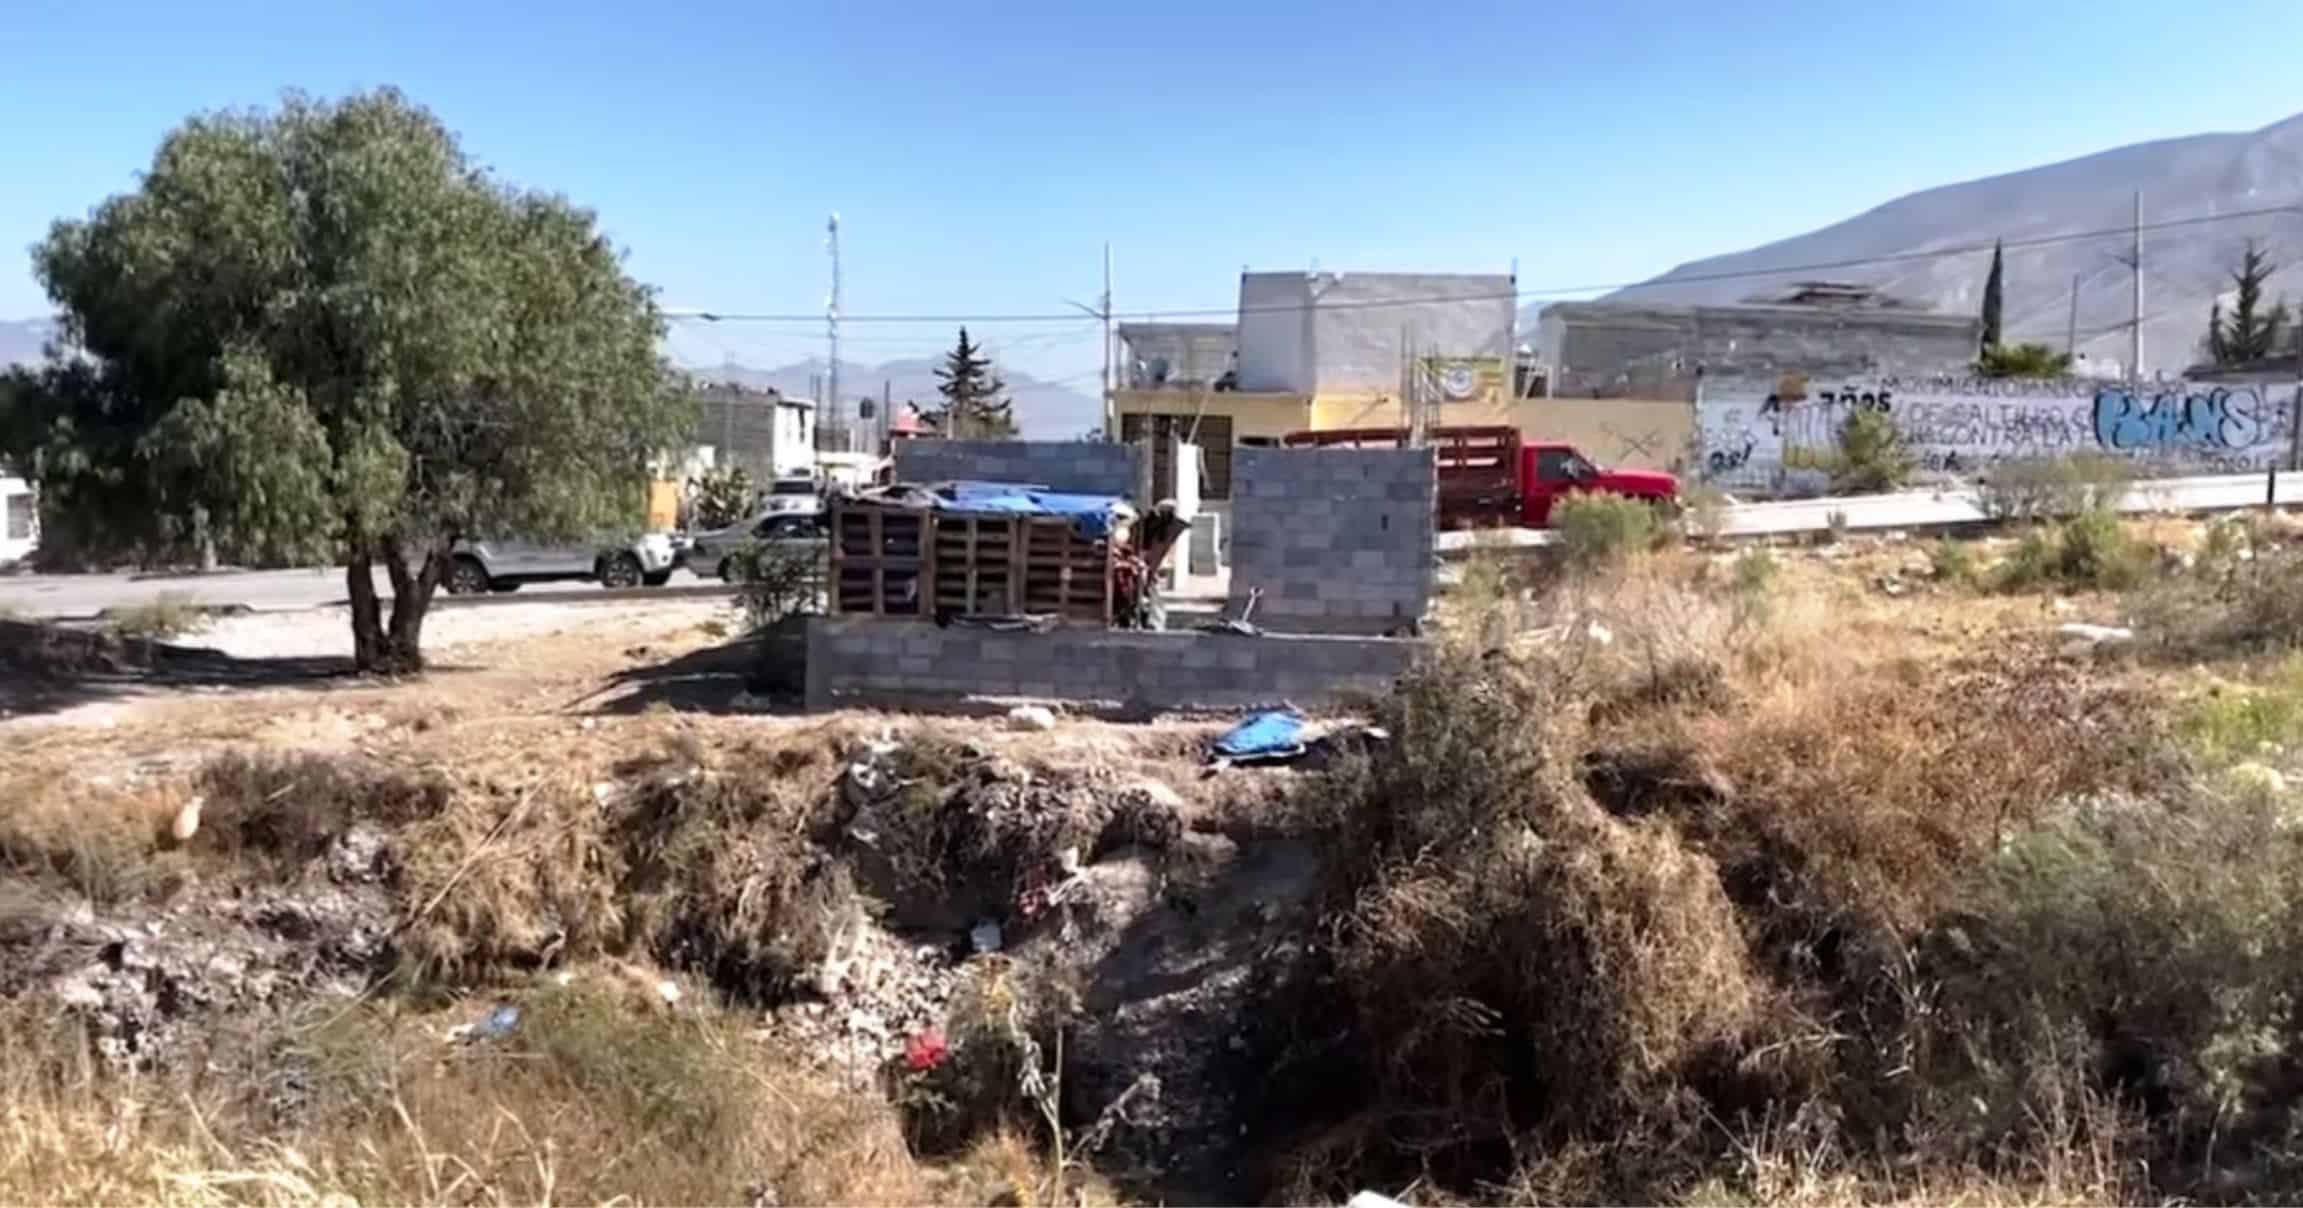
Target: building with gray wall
(1619,349)
(1084,467)
(768,433)
(1343,333)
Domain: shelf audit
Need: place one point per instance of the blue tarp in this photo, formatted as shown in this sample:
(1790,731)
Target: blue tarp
(1274,734)
(1090,514)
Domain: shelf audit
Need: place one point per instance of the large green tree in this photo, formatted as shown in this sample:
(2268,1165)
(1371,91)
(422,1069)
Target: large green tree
(976,403)
(322,331)
(2249,332)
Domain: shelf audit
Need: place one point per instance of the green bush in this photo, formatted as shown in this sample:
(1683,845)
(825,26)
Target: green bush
(719,497)
(2089,551)
(1755,570)
(1871,457)
(2233,723)
(775,580)
(1595,528)
(2038,488)
(1951,561)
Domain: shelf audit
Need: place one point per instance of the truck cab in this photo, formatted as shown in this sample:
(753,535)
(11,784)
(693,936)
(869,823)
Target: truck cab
(1552,470)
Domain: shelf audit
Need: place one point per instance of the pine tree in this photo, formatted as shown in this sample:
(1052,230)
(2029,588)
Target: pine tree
(2251,333)
(976,405)
(2218,352)
(1993,300)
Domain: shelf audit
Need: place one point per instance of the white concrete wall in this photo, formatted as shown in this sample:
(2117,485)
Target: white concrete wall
(1753,440)
(1343,333)
(19,520)
(1275,332)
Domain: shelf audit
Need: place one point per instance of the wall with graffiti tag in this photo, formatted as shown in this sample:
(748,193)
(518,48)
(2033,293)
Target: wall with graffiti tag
(1757,440)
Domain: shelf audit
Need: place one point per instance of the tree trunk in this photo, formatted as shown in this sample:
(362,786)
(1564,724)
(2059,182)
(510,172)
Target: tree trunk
(403,649)
(367,616)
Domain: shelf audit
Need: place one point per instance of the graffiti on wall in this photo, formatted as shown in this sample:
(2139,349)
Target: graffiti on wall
(1956,427)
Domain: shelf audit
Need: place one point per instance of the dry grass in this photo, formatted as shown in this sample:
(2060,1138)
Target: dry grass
(588,1102)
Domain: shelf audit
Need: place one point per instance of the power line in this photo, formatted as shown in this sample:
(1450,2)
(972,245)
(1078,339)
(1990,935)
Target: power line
(1497,295)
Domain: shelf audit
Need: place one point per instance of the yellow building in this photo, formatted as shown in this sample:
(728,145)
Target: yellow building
(1649,434)
(1327,351)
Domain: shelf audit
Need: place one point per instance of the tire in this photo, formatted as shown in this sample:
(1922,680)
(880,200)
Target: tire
(620,571)
(727,570)
(657,579)
(466,577)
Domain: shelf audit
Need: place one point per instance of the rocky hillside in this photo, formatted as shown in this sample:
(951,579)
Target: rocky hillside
(2186,267)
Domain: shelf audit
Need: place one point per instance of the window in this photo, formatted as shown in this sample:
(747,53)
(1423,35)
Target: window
(19,524)
(1553,465)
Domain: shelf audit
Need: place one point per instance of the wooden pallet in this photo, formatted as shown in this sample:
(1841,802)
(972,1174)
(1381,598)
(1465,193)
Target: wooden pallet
(988,563)
(880,555)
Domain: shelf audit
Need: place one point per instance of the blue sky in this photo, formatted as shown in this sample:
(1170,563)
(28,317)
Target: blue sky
(981,154)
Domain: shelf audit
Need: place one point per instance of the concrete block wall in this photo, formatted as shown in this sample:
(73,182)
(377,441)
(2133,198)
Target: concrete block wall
(868,661)
(1340,540)
(1084,467)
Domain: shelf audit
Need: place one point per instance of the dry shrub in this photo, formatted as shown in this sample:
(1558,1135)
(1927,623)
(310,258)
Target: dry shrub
(1509,962)
(703,859)
(169,615)
(2240,605)
(2148,944)
(1853,808)
(290,807)
(584,1103)
(722,872)
(99,842)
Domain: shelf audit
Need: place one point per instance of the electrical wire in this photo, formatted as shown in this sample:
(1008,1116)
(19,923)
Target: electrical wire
(1519,293)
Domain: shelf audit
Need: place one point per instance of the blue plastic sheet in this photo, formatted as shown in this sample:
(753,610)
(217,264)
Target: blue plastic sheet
(1091,515)
(1273,734)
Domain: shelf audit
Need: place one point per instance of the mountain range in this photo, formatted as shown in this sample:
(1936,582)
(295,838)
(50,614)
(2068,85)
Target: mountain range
(2186,263)
(1044,409)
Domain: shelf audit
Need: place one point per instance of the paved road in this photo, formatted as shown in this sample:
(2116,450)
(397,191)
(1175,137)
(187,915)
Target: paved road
(77,596)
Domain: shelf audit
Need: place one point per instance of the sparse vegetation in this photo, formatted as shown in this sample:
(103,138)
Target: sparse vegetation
(776,579)
(2040,488)
(720,497)
(1596,528)
(1952,561)
(164,617)
(1871,458)
(2091,551)
(1685,878)
(2022,361)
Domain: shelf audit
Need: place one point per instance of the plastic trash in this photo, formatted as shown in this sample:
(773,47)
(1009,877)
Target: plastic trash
(985,937)
(501,1022)
(1031,718)
(1270,736)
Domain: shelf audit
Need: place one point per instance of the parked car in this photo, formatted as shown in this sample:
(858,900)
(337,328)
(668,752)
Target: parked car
(476,566)
(786,495)
(709,552)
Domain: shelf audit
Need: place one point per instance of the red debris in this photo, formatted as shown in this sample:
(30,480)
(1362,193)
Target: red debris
(926,1050)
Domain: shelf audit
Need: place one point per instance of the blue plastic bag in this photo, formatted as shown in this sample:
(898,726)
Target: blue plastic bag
(1271,735)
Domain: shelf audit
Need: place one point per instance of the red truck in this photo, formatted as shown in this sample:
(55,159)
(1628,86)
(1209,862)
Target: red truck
(1492,476)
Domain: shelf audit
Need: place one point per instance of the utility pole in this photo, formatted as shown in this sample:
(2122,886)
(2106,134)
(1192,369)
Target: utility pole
(2135,249)
(832,330)
(1104,307)
(2071,329)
